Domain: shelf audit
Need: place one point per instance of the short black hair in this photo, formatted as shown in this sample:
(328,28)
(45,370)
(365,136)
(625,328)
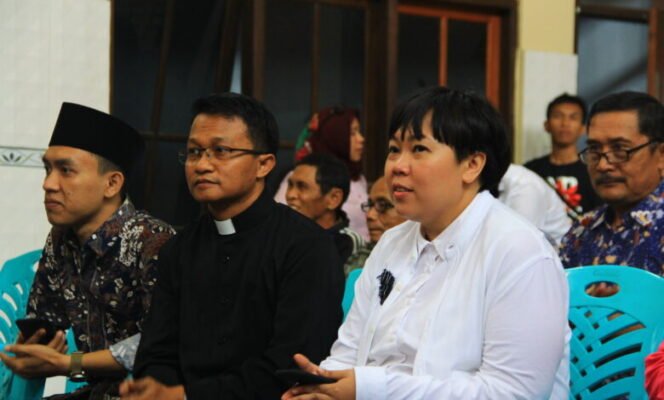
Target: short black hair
(649,110)
(566,98)
(462,120)
(263,130)
(330,173)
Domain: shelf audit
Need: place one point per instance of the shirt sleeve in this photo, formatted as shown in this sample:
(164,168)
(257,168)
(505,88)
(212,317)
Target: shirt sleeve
(523,348)
(45,300)
(157,354)
(124,352)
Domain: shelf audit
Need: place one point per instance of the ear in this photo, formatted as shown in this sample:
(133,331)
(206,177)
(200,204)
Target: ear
(547,127)
(473,165)
(659,153)
(114,182)
(266,163)
(334,198)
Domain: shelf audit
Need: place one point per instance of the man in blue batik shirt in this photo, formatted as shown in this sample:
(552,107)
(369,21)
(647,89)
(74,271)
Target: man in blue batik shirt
(625,159)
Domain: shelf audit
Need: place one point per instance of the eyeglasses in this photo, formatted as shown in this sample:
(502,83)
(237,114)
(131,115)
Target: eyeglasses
(592,156)
(380,205)
(219,152)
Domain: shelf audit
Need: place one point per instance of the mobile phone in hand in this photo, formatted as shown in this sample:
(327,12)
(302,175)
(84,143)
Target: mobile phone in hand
(298,377)
(30,326)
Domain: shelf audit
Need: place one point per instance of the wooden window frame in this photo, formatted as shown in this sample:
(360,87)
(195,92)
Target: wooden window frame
(492,63)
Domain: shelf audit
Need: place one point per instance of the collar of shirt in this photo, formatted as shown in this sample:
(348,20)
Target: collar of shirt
(249,218)
(104,237)
(458,235)
(645,213)
(225,227)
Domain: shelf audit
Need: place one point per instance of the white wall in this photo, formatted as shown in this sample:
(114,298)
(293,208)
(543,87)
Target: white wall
(50,51)
(545,75)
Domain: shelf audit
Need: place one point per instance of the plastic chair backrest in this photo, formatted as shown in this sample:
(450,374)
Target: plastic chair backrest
(349,290)
(611,336)
(16,278)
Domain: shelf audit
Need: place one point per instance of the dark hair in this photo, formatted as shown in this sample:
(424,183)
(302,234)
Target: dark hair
(567,99)
(649,110)
(462,120)
(330,173)
(263,130)
(105,165)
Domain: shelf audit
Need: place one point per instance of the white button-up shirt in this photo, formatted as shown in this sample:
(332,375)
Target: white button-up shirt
(480,312)
(528,194)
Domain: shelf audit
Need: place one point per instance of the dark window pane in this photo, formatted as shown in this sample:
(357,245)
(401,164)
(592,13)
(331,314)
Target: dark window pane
(192,61)
(171,200)
(466,55)
(613,56)
(638,4)
(288,65)
(137,28)
(341,75)
(419,45)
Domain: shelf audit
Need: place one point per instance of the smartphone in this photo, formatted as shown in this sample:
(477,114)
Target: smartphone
(29,326)
(298,377)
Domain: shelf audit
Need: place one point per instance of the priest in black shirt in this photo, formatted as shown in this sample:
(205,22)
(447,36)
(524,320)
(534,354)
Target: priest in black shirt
(249,284)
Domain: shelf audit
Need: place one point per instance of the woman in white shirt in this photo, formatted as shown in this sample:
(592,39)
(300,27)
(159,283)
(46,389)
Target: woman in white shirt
(466,300)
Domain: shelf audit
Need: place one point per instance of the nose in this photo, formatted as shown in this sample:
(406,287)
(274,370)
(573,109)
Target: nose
(360,137)
(603,164)
(372,214)
(203,164)
(398,166)
(291,193)
(51,183)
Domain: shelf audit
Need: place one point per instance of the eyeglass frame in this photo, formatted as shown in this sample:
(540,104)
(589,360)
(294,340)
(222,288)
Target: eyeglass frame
(183,155)
(369,204)
(583,154)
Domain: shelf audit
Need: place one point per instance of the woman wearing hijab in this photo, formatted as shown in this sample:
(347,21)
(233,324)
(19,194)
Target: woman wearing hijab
(336,131)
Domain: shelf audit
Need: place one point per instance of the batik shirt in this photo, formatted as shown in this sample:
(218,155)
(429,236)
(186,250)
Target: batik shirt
(638,242)
(102,288)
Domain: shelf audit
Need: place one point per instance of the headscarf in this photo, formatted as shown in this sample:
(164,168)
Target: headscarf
(329,132)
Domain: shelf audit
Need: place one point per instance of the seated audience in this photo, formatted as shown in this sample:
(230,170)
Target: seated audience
(625,159)
(562,168)
(246,285)
(526,193)
(450,303)
(98,268)
(381,216)
(336,131)
(317,189)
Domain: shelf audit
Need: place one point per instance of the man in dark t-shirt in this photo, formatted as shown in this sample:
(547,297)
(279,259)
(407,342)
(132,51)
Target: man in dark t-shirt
(562,168)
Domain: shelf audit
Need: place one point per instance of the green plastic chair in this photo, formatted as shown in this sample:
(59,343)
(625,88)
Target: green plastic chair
(16,278)
(607,362)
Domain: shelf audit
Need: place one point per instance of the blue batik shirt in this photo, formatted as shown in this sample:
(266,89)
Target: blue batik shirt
(638,242)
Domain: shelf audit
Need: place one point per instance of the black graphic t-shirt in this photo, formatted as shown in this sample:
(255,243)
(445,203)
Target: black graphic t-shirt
(570,180)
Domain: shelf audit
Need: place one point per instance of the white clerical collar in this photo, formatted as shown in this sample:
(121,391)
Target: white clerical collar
(225,227)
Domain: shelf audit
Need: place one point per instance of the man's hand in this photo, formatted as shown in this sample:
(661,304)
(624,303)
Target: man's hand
(33,360)
(148,389)
(342,389)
